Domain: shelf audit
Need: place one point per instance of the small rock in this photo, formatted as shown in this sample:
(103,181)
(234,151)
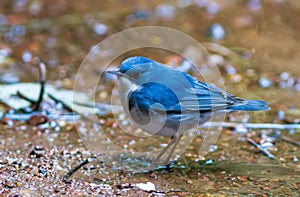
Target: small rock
(26,57)
(37,119)
(281,115)
(38,151)
(217,31)
(265,83)
(3,161)
(166,11)
(284,76)
(209,162)
(240,129)
(7,121)
(145,186)
(295,159)
(43,172)
(124,186)
(212,7)
(100,29)
(213,148)
(189,181)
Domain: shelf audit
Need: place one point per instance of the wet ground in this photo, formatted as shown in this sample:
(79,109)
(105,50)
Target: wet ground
(261,37)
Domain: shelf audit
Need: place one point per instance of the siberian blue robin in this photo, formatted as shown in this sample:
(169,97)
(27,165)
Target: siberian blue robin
(165,101)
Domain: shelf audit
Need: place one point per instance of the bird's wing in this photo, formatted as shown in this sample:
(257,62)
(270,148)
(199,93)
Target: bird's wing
(155,97)
(207,97)
(198,97)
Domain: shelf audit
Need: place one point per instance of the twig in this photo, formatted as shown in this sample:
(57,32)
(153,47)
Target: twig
(251,125)
(59,101)
(42,80)
(287,139)
(22,96)
(67,117)
(72,171)
(265,151)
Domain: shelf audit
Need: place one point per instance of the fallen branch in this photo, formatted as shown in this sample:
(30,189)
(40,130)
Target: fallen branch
(251,125)
(70,117)
(59,101)
(42,80)
(22,96)
(287,139)
(264,150)
(73,170)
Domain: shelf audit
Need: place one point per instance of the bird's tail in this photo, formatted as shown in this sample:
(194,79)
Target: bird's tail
(250,105)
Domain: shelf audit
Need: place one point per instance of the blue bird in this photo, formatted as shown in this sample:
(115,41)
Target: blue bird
(165,101)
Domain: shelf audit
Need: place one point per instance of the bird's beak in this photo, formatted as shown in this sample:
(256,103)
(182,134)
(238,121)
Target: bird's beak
(114,71)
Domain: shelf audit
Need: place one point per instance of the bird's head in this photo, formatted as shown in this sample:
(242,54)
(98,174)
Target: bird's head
(133,67)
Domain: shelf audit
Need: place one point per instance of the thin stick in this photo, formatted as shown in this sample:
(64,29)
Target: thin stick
(72,171)
(69,117)
(251,125)
(42,80)
(22,96)
(265,151)
(59,101)
(287,139)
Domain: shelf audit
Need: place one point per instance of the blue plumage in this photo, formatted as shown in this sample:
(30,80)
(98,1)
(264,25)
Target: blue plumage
(205,98)
(165,101)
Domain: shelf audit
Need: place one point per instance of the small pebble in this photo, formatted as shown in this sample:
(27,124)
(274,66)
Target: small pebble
(284,76)
(7,121)
(37,120)
(189,181)
(212,7)
(230,69)
(240,129)
(26,57)
(209,162)
(213,148)
(43,172)
(217,31)
(236,78)
(281,115)
(35,7)
(145,186)
(166,11)
(295,159)
(216,59)
(100,29)
(265,83)
(297,87)
(38,152)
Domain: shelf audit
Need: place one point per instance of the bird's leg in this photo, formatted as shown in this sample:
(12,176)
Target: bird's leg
(173,140)
(167,161)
